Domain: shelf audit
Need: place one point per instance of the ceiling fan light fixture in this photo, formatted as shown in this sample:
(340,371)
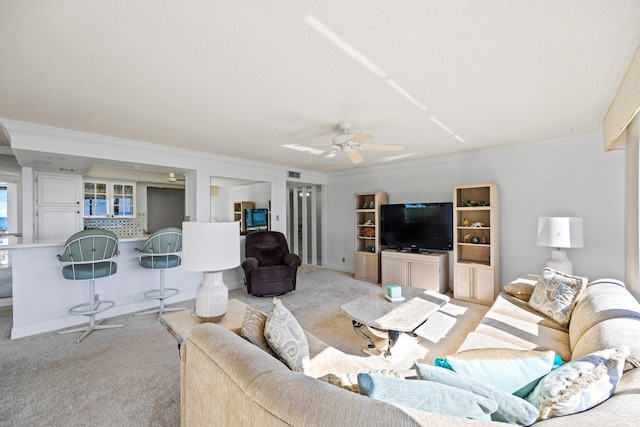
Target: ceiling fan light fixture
(352,144)
(341,139)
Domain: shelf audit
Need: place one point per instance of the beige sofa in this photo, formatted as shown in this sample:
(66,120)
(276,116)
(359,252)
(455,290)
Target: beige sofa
(225,380)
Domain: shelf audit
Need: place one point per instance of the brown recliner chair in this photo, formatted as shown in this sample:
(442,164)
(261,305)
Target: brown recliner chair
(269,267)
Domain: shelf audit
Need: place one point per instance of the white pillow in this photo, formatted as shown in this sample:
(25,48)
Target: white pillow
(287,338)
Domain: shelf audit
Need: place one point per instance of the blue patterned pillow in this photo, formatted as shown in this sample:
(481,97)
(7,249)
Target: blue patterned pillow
(556,294)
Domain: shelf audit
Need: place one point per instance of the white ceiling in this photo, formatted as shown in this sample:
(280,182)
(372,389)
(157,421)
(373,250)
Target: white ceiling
(246,78)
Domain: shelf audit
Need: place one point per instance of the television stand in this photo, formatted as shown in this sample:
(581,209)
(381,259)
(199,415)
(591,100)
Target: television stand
(427,270)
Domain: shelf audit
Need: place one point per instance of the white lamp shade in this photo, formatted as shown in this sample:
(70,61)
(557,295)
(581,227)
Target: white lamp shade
(560,232)
(210,246)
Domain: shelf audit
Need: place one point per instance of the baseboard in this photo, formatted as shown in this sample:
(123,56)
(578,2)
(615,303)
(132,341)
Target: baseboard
(235,284)
(339,267)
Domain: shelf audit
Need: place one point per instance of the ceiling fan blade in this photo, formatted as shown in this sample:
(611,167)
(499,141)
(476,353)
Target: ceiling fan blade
(385,147)
(360,137)
(355,157)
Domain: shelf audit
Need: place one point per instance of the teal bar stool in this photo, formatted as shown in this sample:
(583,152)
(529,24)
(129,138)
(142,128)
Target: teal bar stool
(89,255)
(163,250)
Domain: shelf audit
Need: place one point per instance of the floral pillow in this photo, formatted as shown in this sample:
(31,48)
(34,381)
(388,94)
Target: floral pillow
(556,294)
(580,384)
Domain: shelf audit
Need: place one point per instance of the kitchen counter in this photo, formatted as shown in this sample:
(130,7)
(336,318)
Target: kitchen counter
(42,297)
(13,242)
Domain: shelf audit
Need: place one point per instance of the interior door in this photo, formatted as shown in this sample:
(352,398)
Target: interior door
(304,223)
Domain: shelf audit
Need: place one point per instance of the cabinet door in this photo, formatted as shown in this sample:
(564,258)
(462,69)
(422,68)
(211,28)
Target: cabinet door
(58,223)
(484,285)
(96,202)
(462,281)
(474,282)
(122,200)
(366,266)
(58,190)
(394,271)
(425,275)
(108,199)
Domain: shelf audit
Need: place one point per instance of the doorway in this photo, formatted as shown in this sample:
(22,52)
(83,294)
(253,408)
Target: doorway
(304,223)
(9,231)
(165,208)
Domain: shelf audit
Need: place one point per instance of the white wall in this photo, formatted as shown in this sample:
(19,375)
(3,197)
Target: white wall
(26,138)
(564,177)
(572,177)
(220,210)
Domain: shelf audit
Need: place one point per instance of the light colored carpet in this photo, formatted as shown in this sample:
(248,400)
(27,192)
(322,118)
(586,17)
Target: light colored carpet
(130,376)
(316,305)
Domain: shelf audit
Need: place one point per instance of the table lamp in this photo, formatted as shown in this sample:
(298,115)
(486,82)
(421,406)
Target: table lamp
(558,233)
(211,247)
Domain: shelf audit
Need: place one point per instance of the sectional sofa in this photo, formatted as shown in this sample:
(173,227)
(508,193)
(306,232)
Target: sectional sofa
(226,380)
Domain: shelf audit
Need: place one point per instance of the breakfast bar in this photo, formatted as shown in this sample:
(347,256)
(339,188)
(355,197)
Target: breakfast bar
(42,297)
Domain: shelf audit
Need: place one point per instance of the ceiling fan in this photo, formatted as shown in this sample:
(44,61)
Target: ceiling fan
(351,144)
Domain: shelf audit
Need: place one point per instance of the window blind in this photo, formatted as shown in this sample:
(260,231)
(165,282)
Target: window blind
(625,106)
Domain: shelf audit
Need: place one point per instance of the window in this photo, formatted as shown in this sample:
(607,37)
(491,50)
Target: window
(3,209)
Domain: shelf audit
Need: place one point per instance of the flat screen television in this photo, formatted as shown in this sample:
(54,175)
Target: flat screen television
(417,226)
(256,217)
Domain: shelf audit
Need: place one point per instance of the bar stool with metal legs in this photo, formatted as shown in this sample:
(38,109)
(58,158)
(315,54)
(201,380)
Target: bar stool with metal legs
(89,255)
(162,250)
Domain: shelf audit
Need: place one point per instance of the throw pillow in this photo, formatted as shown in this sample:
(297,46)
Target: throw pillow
(511,409)
(580,384)
(287,338)
(520,290)
(427,396)
(513,371)
(556,294)
(349,381)
(253,329)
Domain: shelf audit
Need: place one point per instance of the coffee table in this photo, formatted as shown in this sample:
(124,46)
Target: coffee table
(377,312)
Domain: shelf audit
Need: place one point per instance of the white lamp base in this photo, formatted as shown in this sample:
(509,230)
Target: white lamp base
(212,298)
(559,261)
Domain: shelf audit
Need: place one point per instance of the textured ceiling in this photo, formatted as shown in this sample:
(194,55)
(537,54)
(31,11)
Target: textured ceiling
(249,78)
